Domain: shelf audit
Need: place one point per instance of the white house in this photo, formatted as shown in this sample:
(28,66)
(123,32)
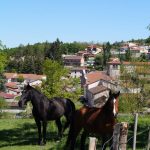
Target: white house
(96,87)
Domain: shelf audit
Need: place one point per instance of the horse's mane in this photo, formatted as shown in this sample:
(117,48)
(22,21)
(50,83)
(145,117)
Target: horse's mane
(39,92)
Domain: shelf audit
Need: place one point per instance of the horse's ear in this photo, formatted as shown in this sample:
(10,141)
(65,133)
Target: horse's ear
(117,94)
(110,93)
(27,86)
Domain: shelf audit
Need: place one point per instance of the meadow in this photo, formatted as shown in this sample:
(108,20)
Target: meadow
(21,134)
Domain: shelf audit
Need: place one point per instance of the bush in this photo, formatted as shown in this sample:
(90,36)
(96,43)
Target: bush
(6,115)
(3,103)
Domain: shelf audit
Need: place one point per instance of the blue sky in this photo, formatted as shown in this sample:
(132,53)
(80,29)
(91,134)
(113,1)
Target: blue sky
(32,21)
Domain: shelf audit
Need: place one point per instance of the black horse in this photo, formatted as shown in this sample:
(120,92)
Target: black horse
(45,109)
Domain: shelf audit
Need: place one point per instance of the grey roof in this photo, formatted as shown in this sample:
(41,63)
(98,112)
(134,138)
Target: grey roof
(98,89)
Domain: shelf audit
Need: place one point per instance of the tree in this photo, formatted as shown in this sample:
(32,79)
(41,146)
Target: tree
(57,82)
(98,62)
(3,62)
(55,52)
(20,79)
(3,103)
(128,55)
(106,53)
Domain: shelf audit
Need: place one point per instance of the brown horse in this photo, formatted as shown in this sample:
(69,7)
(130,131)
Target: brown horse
(99,121)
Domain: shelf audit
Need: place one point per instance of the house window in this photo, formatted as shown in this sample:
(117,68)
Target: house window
(115,66)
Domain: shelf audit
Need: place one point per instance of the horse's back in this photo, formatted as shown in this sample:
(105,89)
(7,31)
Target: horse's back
(93,120)
(65,104)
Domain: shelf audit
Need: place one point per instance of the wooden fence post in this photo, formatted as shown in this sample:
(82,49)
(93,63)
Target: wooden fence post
(148,144)
(92,143)
(116,135)
(123,136)
(120,136)
(135,131)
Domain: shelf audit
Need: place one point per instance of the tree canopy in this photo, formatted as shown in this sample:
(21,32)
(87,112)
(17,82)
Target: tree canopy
(58,83)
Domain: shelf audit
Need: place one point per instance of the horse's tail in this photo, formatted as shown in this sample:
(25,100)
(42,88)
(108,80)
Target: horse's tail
(70,143)
(71,128)
(72,106)
(69,113)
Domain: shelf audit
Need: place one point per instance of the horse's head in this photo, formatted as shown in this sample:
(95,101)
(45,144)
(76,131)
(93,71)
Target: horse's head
(26,96)
(113,102)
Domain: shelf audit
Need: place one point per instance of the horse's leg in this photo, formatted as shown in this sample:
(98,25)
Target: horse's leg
(83,138)
(38,123)
(73,133)
(59,125)
(68,120)
(44,131)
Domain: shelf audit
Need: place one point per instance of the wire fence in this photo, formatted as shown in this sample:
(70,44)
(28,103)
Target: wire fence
(143,134)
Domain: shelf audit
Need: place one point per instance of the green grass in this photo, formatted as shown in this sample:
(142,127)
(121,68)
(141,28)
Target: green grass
(21,134)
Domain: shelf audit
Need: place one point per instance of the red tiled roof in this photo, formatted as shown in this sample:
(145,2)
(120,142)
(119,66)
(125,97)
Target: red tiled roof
(25,76)
(11,85)
(117,62)
(97,75)
(6,95)
(73,57)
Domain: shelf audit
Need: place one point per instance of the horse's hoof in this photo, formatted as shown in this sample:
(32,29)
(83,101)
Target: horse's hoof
(44,142)
(40,143)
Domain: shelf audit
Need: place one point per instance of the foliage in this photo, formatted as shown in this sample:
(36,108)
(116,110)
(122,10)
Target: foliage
(2,82)
(98,62)
(6,115)
(128,103)
(106,53)
(128,55)
(3,61)
(20,79)
(3,103)
(134,78)
(30,58)
(57,82)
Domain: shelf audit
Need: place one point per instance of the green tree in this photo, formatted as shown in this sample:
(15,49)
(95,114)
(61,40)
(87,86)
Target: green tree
(3,63)
(98,62)
(57,82)
(128,55)
(106,53)
(3,103)
(55,52)
(20,79)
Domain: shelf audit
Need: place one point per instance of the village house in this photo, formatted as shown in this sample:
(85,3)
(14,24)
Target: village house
(77,72)
(114,68)
(7,97)
(96,87)
(73,60)
(14,86)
